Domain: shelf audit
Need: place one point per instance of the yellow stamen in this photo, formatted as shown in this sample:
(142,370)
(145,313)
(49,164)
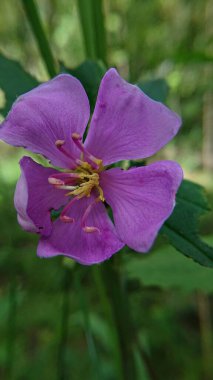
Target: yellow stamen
(89,179)
(101,196)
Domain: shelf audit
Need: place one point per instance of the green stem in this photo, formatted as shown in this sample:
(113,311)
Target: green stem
(108,311)
(96,368)
(92,23)
(86,19)
(100,33)
(62,352)
(116,293)
(151,373)
(40,36)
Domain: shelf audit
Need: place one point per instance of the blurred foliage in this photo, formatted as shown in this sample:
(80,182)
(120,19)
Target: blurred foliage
(14,81)
(50,327)
(167,319)
(90,74)
(182,226)
(165,268)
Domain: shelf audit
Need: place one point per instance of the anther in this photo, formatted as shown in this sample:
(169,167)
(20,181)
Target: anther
(76,136)
(55,181)
(91,229)
(66,219)
(59,143)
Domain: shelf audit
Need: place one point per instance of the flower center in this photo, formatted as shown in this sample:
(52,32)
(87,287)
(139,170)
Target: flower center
(79,182)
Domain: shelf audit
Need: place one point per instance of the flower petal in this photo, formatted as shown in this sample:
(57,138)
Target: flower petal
(35,197)
(141,200)
(126,123)
(69,239)
(50,112)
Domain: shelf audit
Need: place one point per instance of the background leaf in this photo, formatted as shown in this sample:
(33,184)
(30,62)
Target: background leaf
(90,74)
(14,81)
(166,268)
(157,89)
(182,226)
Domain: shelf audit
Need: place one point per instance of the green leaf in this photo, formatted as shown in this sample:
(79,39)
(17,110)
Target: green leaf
(157,89)
(182,226)
(168,269)
(90,74)
(14,81)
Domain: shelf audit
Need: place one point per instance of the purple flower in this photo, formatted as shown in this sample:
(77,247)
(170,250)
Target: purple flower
(126,124)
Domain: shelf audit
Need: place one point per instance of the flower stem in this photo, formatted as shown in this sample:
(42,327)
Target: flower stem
(109,315)
(117,294)
(40,36)
(96,365)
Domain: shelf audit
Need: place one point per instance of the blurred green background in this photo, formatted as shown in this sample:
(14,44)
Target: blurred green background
(52,323)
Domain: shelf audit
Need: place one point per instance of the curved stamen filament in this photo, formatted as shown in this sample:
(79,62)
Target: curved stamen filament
(65,218)
(65,175)
(64,179)
(86,228)
(59,144)
(67,187)
(77,139)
